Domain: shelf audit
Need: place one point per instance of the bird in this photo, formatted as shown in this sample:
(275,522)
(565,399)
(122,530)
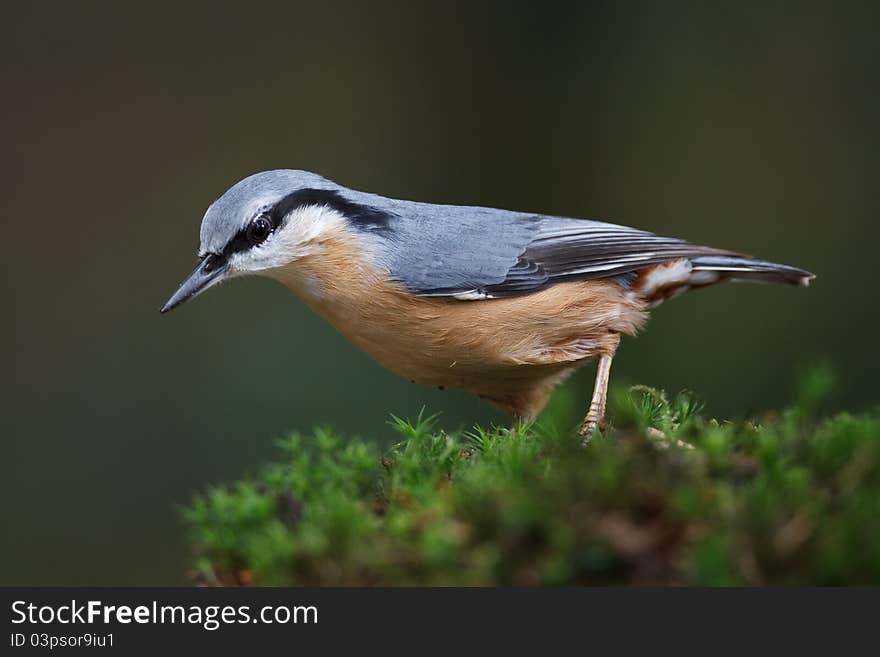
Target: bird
(499,303)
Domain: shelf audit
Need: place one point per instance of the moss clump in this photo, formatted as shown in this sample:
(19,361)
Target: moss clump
(665,497)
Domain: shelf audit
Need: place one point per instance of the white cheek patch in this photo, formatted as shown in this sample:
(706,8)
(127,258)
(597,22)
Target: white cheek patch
(300,235)
(305,227)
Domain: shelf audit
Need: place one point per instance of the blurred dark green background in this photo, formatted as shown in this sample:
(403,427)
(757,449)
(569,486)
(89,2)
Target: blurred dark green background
(747,128)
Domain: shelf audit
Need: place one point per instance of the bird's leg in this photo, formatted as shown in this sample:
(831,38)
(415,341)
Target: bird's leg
(596,413)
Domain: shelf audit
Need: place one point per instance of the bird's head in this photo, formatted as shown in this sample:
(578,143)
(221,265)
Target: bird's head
(259,225)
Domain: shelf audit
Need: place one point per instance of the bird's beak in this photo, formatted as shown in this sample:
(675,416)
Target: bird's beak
(210,271)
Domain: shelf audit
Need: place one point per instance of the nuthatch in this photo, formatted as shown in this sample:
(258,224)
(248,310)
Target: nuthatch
(503,304)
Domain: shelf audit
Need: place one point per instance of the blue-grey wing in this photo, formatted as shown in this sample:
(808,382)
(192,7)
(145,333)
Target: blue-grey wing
(478,253)
(456,250)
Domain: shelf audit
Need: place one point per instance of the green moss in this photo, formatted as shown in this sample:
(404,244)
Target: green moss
(792,499)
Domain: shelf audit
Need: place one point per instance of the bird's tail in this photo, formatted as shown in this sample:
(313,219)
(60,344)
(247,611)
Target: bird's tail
(739,268)
(668,279)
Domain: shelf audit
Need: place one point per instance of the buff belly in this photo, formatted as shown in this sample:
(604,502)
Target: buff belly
(512,351)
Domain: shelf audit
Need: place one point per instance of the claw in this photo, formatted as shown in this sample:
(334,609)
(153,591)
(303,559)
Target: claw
(596,415)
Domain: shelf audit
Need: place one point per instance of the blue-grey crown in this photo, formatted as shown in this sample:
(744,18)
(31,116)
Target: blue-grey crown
(230,214)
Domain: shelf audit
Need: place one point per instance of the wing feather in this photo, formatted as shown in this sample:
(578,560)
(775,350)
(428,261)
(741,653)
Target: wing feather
(580,249)
(477,253)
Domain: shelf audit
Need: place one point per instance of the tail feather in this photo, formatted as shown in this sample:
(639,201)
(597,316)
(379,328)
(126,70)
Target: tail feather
(666,280)
(746,269)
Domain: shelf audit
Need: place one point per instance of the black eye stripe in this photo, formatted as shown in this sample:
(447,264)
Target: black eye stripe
(210,262)
(363,217)
(360,216)
(243,240)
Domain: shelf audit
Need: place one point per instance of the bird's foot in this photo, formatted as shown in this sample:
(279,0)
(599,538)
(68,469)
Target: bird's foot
(592,422)
(595,418)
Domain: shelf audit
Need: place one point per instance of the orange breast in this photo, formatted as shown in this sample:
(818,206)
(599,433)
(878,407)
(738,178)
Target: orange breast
(510,350)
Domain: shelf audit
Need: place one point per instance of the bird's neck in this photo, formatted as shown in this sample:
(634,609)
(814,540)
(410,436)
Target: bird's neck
(339,281)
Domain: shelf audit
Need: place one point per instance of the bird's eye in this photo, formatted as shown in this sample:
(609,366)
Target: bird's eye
(259,230)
